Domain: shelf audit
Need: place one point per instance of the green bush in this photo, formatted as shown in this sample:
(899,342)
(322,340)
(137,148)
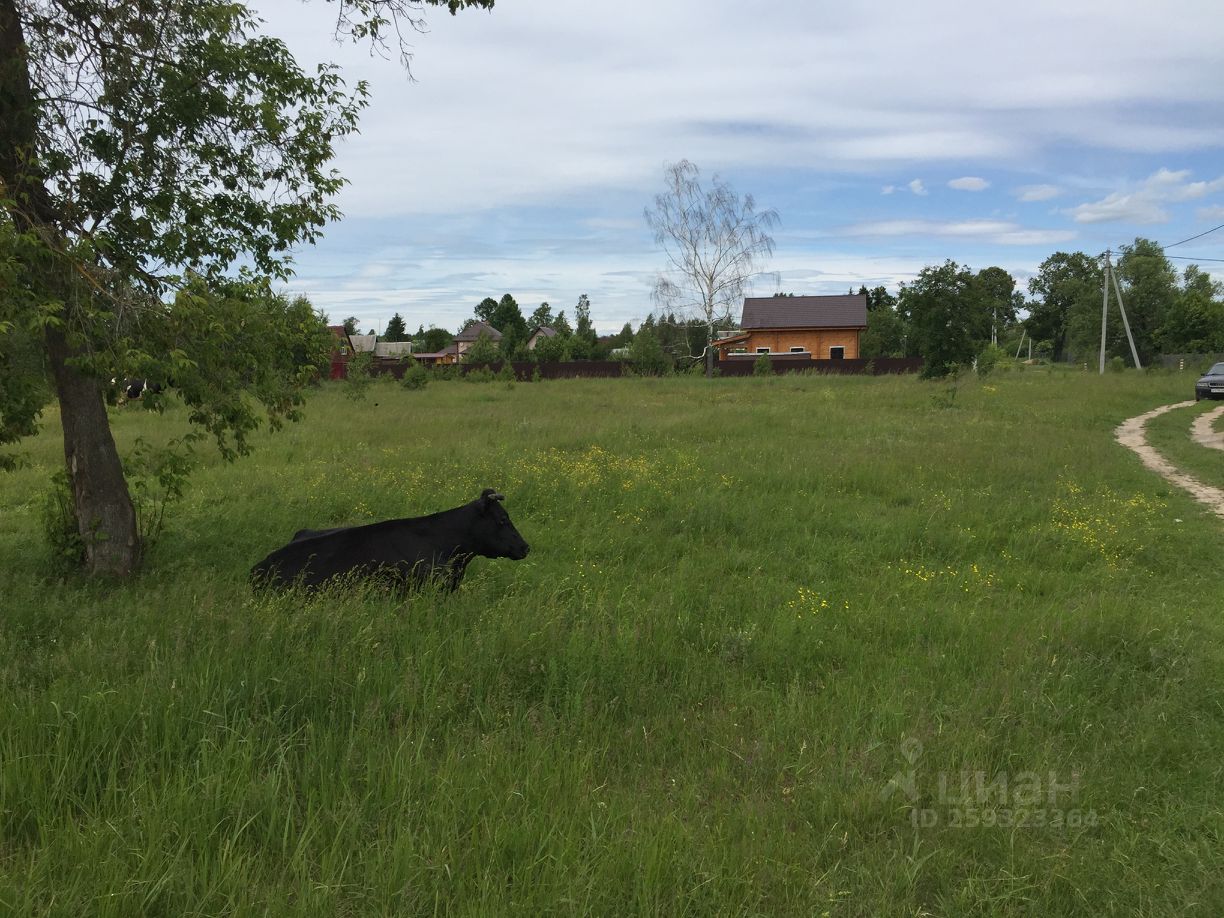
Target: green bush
(762,366)
(1116,364)
(506,374)
(61,535)
(646,354)
(416,376)
(989,359)
(359,375)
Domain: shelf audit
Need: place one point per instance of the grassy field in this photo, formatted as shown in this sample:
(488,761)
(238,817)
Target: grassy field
(803,646)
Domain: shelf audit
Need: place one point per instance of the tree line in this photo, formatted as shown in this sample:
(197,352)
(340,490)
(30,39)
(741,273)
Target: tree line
(949,315)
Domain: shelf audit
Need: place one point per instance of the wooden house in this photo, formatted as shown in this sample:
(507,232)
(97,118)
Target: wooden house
(815,327)
(544,331)
(342,350)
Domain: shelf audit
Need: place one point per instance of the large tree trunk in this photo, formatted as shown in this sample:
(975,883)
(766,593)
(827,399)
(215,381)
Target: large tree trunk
(710,351)
(104,512)
(105,516)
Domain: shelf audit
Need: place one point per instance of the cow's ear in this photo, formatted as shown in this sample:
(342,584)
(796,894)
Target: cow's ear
(488,495)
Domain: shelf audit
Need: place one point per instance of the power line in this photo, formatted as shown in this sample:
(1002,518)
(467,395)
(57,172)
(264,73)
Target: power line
(1192,238)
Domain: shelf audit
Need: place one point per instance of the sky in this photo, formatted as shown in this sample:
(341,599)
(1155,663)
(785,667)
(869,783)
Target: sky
(888,135)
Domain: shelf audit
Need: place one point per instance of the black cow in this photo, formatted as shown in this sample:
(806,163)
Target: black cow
(402,553)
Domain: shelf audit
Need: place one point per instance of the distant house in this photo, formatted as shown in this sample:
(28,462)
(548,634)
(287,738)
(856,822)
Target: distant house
(363,344)
(466,338)
(544,331)
(816,327)
(392,350)
(342,350)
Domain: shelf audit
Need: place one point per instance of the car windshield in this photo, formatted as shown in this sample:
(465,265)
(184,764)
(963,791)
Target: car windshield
(1217,370)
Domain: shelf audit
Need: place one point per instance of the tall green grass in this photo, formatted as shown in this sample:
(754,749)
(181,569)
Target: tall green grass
(752,606)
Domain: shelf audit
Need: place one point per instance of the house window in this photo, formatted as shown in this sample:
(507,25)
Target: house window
(798,350)
(837,353)
(739,350)
(762,350)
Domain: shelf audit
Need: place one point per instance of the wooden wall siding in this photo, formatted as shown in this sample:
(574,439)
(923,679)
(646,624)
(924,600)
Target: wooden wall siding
(817,341)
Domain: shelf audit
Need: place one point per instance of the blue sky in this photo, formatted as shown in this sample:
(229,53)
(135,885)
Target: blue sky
(887,136)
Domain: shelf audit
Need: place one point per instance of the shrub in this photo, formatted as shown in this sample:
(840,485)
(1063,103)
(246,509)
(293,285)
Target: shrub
(989,359)
(482,351)
(506,374)
(762,366)
(359,375)
(416,376)
(65,548)
(1116,364)
(646,354)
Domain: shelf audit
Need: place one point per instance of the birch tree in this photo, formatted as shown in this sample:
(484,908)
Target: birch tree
(714,242)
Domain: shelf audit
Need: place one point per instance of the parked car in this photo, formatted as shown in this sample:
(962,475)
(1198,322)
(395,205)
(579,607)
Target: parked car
(1210,384)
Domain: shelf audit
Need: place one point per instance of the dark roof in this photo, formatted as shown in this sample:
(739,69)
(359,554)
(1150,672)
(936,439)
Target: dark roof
(844,311)
(476,329)
(546,331)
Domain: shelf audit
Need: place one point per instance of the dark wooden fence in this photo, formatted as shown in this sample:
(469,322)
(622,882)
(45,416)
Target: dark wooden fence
(523,369)
(602,369)
(783,363)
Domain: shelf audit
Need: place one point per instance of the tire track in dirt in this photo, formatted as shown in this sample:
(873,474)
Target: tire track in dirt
(1132,434)
(1202,430)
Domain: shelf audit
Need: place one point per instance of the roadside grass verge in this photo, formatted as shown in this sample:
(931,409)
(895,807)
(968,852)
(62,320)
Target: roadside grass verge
(1170,435)
(792,645)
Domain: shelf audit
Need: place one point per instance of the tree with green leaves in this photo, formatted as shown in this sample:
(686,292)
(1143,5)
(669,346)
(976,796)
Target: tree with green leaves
(713,242)
(483,350)
(1149,286)
(647,355)
(508,319)
(396,330)
(552,350)
(947,325)
(583,347)
(994,288)
(485,309)
(432,340)
(146,148)
(1194,324)
(1066,311)
(541,317)
(350,325)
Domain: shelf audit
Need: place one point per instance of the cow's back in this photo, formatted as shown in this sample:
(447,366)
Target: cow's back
(394,549)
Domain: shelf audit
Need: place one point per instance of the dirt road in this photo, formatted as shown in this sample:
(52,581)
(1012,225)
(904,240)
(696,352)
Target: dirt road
(1202,430)
(1133,435)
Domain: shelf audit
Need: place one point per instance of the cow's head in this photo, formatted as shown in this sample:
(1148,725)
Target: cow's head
(493,535)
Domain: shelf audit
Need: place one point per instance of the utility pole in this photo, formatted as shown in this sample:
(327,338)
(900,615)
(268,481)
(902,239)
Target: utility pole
(1104,309)
(1125,324)
(1111,278)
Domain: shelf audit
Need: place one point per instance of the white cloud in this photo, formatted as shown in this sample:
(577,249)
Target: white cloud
(998,232)
(969,183)
(1038,192)
(917,187)
(590,100)
(1147,203)
(1215,212)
